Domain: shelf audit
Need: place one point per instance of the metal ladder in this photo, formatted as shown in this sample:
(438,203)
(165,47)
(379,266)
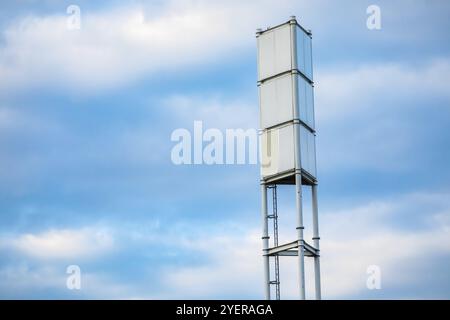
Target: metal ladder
(274,216)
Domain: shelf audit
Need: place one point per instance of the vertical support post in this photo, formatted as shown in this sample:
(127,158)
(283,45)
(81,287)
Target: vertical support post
(265,240)
(298,166)
(300,227)
(316,238)
(293,25)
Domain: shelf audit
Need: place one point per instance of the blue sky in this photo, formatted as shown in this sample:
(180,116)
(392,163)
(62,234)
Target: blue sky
(86,176)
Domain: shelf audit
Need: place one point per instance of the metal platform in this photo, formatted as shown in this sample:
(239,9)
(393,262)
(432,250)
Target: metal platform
(291,249)
(288,178)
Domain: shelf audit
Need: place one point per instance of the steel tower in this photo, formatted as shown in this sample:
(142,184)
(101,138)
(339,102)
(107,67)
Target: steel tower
(288,155)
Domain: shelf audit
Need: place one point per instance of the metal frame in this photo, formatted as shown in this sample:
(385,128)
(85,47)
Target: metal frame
(298,248)
(298,177)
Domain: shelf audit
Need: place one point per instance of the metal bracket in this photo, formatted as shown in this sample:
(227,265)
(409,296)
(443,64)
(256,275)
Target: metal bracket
(291,249)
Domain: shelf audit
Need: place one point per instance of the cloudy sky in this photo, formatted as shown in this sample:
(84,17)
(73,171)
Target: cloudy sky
(86,176)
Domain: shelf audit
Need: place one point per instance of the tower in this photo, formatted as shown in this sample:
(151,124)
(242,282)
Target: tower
(288,152)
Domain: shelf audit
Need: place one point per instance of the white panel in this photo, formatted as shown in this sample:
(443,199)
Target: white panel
(304,59)
(302,100)
(277,147)
(307,151)
(310,105)
(276,101)
(266,55)
(286,148)
(312,154)
(278,153)
(308,57)
(300,50)
(269,152)
(304,148)
(274,52)
(305,101)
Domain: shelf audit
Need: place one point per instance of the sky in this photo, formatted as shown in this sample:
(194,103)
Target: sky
(86,176)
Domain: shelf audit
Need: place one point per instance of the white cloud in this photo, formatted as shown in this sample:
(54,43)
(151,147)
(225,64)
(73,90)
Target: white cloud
(118,45)
(12,119)
(344,93)
(355,238)
(18,279)
(23,280)
(230,263)
(214,111)
(63,243)
(233,268)
(368,116)
(352,239)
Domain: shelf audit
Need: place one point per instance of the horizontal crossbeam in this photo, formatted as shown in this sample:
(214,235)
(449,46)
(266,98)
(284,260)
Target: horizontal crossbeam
(291,249)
